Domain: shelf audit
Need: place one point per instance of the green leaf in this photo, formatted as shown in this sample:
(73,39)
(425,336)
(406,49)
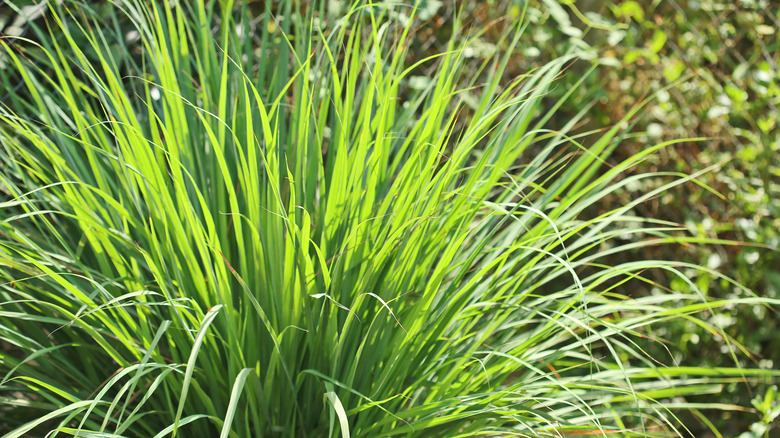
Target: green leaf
(335,402)
(630,9)
(235,394)
(673,70)
(658,41)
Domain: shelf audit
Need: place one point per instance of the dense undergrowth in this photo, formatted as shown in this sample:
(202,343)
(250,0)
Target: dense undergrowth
(218,220)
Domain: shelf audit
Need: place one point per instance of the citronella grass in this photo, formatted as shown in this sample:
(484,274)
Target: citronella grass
(250,225)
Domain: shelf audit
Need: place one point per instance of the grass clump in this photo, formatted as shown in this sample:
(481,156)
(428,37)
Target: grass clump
(244,223)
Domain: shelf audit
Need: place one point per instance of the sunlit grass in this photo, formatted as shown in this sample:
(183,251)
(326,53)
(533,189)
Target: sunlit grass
(250,227)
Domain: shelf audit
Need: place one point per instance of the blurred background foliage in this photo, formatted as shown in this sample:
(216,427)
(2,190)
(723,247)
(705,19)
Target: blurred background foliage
(711,67)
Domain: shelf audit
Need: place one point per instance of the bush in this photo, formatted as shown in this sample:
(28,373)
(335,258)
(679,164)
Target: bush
(222,220)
